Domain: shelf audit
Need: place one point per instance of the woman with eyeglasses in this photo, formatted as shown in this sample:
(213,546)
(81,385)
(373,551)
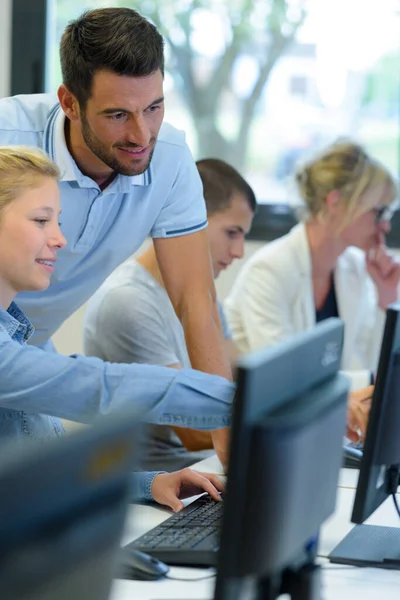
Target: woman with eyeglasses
(333,264)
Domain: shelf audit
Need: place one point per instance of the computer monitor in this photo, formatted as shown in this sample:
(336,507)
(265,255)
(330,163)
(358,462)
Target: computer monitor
(286,450)
(62,511)
(368,545)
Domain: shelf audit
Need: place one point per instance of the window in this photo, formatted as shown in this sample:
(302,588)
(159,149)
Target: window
(298,85)
(271,84)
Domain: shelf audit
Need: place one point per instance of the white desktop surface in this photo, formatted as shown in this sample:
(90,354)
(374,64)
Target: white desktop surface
(339,582)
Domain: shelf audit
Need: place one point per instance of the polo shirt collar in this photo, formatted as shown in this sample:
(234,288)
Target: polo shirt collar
(55,145)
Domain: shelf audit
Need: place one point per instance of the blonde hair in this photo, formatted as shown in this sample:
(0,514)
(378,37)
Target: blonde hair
(22,168)
(344,166)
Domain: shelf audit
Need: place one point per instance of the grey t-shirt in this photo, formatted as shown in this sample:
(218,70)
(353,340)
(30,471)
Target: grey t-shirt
(131,319)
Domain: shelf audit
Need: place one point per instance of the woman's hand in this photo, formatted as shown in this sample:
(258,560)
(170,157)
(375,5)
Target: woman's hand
(359,405)
(384,271)
(168,488)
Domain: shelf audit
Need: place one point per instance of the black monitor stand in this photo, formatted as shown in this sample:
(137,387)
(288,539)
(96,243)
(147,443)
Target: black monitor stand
(300,584)
(369,546)
(372,545)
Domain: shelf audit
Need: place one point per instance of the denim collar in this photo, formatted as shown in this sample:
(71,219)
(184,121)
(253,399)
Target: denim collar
(17,325)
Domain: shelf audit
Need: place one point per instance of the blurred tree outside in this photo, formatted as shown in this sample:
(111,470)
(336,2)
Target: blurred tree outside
(259,29)
(231,66)
(382,87)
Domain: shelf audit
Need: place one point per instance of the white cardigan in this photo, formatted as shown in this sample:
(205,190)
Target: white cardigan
(273,298)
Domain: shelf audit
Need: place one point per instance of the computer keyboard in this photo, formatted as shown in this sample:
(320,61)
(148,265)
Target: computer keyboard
(190,537)
(351,457)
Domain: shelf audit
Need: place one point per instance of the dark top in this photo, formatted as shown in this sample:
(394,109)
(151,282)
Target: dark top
(329,308)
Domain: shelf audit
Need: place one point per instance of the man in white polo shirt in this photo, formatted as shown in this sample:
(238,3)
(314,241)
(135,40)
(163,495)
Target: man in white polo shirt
(124,176)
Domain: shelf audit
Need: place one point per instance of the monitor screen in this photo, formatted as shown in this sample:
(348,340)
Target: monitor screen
(288,425)
(62,515)
(368,545)
(382,442)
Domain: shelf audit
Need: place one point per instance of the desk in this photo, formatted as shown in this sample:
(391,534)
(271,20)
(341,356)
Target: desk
(339,582)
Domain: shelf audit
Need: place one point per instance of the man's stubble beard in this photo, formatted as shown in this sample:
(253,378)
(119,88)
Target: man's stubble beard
(99,150)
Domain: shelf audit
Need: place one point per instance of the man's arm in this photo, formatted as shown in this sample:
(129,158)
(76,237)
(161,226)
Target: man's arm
(185,267)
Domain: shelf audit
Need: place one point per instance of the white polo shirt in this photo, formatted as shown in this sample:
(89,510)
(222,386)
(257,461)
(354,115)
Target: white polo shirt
(102,228)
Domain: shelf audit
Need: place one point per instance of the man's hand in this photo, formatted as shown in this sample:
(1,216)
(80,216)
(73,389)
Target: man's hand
(221,440)
(384,271)
(168,488)
(359,405)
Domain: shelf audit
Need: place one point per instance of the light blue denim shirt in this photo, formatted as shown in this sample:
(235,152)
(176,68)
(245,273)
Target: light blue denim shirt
(38,388)
(18,423)
(102,227)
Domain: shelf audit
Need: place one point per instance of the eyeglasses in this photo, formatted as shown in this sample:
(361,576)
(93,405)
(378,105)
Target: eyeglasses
(384,213)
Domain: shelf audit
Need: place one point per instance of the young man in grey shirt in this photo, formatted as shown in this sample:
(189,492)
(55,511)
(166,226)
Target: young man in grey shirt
(131,318)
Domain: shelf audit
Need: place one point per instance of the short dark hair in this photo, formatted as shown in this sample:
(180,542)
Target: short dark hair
(115,39)
(220,182)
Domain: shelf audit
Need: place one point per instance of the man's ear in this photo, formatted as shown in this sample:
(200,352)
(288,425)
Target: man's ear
(68,103)
(332,201)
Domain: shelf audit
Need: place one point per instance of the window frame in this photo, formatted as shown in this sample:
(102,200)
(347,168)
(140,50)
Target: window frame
(28,59)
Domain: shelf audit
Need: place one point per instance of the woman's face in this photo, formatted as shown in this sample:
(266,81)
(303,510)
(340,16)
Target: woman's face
(29,239)
(369,229)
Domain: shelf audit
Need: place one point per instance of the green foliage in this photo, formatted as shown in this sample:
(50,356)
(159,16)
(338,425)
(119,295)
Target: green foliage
(383,83)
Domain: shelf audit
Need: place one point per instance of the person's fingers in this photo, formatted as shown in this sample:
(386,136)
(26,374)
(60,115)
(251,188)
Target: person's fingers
(362,395)
(370,255)
(352,435)
(372,268)
(379,267)
(194,478)
(352,424)
(384,263)
(165,491)
(382,239)
(171,500)
(387,267)
(360,417)
(358,414)
(216,481)
(362,424)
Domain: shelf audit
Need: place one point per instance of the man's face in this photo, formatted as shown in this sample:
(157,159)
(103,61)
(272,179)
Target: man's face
(122,118)
(227,231)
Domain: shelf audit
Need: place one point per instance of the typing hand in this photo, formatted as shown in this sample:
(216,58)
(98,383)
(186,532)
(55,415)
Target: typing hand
(359,405)
(221,440)
(384,271)
(168,488)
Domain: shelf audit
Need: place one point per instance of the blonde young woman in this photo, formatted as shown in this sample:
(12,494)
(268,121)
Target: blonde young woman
(38,387)
(334,263)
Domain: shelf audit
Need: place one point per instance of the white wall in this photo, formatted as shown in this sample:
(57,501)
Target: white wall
(5,46)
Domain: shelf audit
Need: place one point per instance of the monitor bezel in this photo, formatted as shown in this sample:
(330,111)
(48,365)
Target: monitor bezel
(329,334)
(371,489)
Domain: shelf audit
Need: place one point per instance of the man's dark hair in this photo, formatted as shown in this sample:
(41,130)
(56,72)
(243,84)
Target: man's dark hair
(220,182)
(114,39)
